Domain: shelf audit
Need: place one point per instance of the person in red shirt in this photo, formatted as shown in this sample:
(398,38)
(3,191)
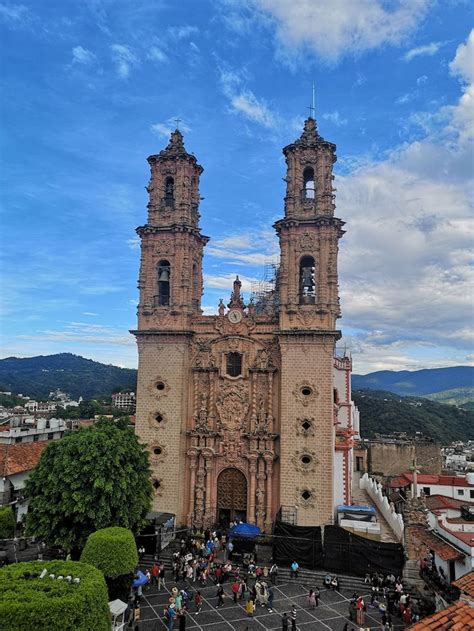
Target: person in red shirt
(198,602)
(235,589)
(154,574)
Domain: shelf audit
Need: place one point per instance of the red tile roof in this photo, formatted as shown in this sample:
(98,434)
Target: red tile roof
(435,502)
(466,583)
(424,478)
(457,617)
(20,457)
(443,549)
(465,537)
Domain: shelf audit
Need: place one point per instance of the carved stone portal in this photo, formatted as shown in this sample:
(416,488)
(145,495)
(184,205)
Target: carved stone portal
(231,495)
(232,405)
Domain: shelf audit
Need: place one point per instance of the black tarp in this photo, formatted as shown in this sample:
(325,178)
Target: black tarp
(348,553)
(297,543)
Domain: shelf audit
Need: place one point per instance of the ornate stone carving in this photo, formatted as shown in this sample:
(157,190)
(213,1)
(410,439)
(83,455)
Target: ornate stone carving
(159,387)
(305,426)
(305,392)
(307,316)
(203,356)
(157,419)
(305,461)
(305,497)
(232,404)
(307,243)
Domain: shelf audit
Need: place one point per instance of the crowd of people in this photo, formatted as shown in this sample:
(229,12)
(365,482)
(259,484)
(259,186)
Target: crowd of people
(207,560)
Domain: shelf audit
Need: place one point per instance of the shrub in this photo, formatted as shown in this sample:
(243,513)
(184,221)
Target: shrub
(111,550)
(7,522)
(29,602)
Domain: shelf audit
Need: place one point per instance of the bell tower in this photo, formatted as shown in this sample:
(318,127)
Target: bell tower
(170,280)
(170,285)
(309,307)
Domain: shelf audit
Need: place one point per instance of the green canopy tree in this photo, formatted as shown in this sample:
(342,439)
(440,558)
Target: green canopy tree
(94,478)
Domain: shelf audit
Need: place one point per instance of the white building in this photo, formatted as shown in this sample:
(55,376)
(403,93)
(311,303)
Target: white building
(346,420)
(30,430)
(459,487)
(124,400)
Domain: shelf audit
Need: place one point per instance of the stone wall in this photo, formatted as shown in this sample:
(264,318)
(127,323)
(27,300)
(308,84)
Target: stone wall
(391,458)
(374,489)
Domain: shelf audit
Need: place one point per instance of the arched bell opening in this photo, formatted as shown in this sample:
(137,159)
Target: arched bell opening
(307,281)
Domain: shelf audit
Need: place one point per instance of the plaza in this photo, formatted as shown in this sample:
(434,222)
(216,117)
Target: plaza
(332,613)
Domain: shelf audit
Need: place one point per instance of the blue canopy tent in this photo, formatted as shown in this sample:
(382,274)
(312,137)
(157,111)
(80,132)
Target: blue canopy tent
(244,530)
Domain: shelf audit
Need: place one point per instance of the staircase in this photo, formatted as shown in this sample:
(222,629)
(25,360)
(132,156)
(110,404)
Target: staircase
(360,496)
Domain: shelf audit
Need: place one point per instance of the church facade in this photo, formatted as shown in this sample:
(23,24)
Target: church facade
(248,412)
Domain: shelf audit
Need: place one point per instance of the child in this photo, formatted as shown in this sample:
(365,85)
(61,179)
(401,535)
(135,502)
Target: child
(250,607)
(198,602)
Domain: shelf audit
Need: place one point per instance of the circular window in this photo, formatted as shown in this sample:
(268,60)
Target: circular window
(306,391)
(306,495)
(156,484)
(157,451)
(160,386)
(305,459)
(159,418)
(306,425)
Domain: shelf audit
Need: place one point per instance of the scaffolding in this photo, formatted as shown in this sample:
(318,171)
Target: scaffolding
(264,292)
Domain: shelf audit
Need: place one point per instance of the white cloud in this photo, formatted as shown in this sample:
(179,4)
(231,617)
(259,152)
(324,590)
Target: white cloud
(84,333)
(243,100)
(463,63)
(82,56)
(133,243)
(428,50)
(406,269)
(182,32)
(225,282)
(13,12)
(422,79)
(124,58)
(156,54)
(90,314)
(165,128)
(341,27)
(335,118)
(257,249)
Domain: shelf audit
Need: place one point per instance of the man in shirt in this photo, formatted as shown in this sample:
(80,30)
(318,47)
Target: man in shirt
(294,570)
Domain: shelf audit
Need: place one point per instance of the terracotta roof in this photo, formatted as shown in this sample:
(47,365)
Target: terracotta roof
(443,549)
(20,457)
(424,478)
(465,537)
(457,617)
(466,583)
(435,502)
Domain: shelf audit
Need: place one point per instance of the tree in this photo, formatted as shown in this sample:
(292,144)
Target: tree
(93,478)
(113,551)
(7,522)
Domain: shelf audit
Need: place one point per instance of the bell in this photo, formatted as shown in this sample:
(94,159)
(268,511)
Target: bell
(164,275)
(307,276)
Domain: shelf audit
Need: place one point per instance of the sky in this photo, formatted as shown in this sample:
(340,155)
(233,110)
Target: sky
(90,88)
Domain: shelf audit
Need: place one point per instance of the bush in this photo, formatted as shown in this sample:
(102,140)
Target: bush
(29,602)
(113,551)
(7,522)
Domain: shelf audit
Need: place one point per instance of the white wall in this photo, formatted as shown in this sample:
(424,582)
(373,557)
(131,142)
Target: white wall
(338,478)
(374,489)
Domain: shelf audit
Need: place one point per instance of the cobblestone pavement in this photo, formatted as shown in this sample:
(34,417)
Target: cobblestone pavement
(330,615)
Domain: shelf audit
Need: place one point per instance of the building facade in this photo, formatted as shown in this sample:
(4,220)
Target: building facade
(248,411)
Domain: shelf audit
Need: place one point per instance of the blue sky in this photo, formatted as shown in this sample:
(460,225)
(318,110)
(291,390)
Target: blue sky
(90,89)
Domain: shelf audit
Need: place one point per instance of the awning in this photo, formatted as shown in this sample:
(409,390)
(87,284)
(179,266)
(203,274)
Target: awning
(244,530)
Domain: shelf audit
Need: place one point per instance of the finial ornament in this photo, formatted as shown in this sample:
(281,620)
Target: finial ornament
(312,107)
(178,120)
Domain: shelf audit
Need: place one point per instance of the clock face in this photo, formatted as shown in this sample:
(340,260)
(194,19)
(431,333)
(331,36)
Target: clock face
(235,316)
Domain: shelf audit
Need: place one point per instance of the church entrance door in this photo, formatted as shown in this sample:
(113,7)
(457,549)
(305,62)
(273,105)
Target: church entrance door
(231,496)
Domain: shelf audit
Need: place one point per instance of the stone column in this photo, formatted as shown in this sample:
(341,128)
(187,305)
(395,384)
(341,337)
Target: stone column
(192,487)
(270,402)
(268,494)
(253,472)
(209,517)
(253,413)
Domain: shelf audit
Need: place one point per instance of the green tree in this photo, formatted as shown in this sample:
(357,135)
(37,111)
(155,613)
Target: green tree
(94,478)
(7,522)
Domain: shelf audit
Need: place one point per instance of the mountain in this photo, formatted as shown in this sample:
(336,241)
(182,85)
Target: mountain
(456,396)
(386,413)
(417,382)
(36,377)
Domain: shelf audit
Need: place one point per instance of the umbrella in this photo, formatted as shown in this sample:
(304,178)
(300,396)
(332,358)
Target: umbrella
(140,579)
(244,530)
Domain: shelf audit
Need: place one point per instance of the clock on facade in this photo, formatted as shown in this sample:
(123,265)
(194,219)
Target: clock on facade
(235,316)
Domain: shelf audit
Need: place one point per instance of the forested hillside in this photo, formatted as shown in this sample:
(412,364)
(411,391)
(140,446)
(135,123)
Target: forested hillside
(37,376)
(385,413)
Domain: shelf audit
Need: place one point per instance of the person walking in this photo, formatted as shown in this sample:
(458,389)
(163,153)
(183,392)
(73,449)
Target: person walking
(154,574)
(294,570)
(250,607)
(311,599)
(317,594)
(284,622)
(271,596)
(182,619)
(235,590)
(161,576)
(220,595)
(274,574)
(293,618)
(198,602)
